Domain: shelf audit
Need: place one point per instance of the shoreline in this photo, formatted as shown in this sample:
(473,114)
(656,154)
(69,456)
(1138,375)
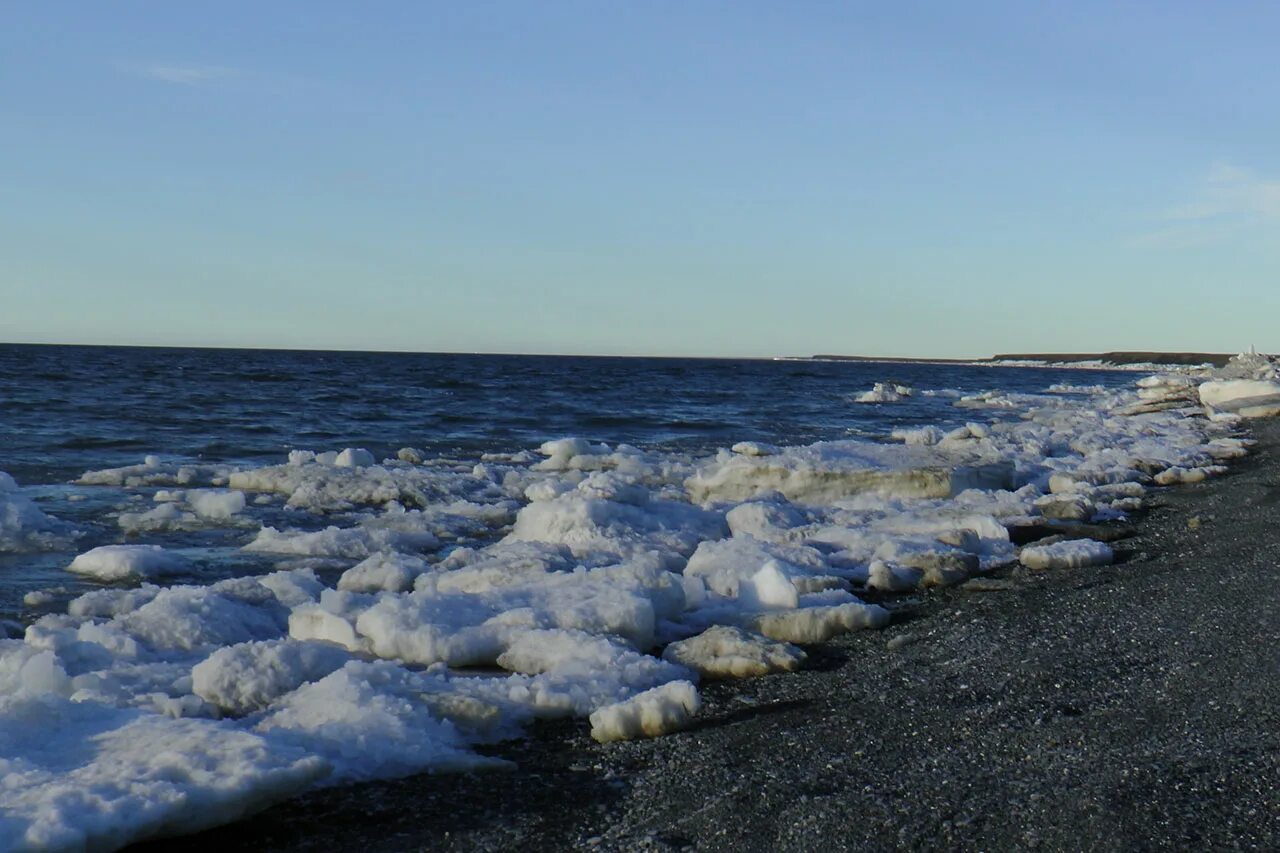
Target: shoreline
(1122,706)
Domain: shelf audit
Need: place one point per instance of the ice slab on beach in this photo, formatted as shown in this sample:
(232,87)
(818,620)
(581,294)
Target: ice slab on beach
(1248,397)
(80,775)
(1182,476)
(834,470)
(816,624)
(724,651)
(370,721)
(1071,554)
(655,712)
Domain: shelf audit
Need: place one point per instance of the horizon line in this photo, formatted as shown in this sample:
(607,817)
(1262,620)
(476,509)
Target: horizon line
(996,358)
(269,348)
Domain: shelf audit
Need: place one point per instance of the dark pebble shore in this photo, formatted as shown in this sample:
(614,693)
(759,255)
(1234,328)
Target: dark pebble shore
(1132,706)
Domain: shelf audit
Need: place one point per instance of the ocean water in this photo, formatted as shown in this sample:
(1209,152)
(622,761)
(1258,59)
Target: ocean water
(65,410)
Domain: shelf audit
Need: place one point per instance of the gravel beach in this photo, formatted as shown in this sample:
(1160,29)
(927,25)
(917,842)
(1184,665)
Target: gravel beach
(1132,706)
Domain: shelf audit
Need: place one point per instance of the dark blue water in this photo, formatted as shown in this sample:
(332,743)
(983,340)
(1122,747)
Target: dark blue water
(65,410)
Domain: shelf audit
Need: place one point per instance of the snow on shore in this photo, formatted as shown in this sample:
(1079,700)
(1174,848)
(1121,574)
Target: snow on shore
(586,580)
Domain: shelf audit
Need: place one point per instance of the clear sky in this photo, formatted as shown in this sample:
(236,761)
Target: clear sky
(699,178)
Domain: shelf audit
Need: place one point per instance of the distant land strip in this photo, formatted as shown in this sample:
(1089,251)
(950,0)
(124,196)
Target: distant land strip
(1215,358)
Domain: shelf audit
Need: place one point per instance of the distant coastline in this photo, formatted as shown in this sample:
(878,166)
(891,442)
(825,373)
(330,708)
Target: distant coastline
(1104,359)
(1116,358)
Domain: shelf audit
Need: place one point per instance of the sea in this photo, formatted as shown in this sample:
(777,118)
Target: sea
(65,410)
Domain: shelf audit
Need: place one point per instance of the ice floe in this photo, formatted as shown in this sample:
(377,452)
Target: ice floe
(127,562)
(218,504)
(153,471)
(1248,386)
(1248,397)
(834,470)
(884,392)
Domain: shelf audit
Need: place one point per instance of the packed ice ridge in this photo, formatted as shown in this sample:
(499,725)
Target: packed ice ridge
(589,580)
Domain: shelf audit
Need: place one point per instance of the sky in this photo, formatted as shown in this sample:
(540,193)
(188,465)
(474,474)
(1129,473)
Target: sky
(667,178)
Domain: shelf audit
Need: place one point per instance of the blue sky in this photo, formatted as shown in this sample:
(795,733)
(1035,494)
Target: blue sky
(692,178)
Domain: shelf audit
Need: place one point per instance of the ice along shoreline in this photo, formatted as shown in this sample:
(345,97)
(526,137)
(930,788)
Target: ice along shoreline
(1112,707)
(593,500)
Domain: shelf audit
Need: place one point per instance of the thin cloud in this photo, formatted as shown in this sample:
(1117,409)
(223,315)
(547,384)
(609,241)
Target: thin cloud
(1185,235)
(1228,202)
(1231,192)
(184,75)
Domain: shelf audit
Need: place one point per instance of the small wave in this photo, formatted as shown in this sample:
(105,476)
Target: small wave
(93,442)
(373,416)
(258,429)
(700,426)
(456,383)
(624,421)
(263,377)
(323,434)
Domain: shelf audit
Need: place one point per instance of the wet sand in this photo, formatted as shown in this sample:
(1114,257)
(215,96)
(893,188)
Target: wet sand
(1132,706)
